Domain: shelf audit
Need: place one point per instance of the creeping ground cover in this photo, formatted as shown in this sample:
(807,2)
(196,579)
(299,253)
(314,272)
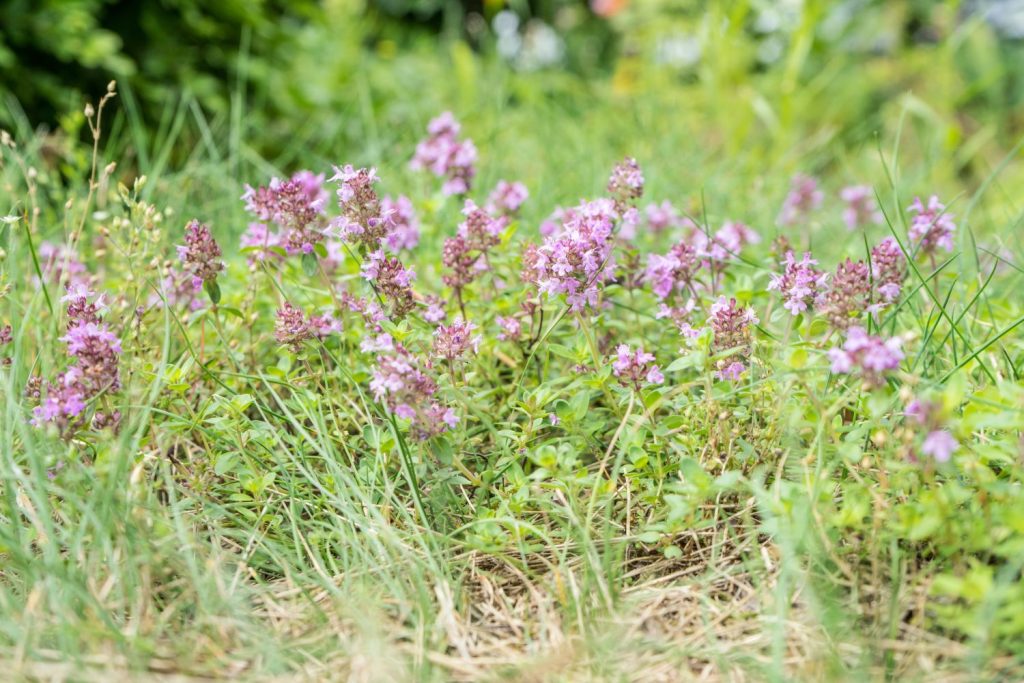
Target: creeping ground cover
(421,418)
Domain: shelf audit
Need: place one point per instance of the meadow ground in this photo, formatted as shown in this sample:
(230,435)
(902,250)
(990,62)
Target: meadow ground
(611,439)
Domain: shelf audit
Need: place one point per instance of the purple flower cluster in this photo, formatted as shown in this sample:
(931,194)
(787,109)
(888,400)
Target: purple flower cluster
(295,205)
(260,243)
(803,198)
(511,328)
(635,369)
(465,255)
(408,392)
(434,309)
(453,341)
(200,255)
(626,184)
(446,156)
(293,327)
(861,208)
(363,220)
(95,352)
(732,331)
(674,271)
(888,270)
(506,198)
(177,289)
(938,443)
(59,263)
(868,355)
(392,280)
(577,260)
(848,294)
(405,225)
(728,241)
(931,227)
(799,284)
(664,216)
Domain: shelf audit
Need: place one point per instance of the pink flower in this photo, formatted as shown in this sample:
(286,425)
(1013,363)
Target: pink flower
(733,237)
(452,341)
(57,262)
(405,226)
(364,219)
(731,372)
(626,183)
(940,445)
(871,356)
(444,155)
(799,283)
(732,329)
(94,350)
(803,198)
(928,416)
(861,208)
(465,254)
(931,227)
(392,280)
(888,269)
(435,309)
(401,383)
(575,261)
(511,328)
(200,255)
(848,294)
(664,216)
(635,368)
(259,242)
(506,198)
(296,205)
(672,272)
(293,327)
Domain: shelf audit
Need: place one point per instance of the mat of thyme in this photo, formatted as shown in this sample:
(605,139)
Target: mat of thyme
(422,424)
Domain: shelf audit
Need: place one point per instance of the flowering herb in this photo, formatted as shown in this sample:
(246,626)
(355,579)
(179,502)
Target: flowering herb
(451,342)
(869,356)
(800,283)
(294,328)
(363,220)
(392,280)
(635,369)
(295,205)
(405,226)
(200,256)
(446,156)
(861,208)
(577,260)
(931,227)
(803,198)
(506,199)
(732,334)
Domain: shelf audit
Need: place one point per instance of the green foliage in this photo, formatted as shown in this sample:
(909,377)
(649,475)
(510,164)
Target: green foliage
(260,512)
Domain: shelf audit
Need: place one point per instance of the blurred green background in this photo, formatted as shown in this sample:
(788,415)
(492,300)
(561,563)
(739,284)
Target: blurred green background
(256,87)
(306,58)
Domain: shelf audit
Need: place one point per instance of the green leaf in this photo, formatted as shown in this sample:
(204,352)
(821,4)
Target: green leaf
(213,290)
(225,463)
(692,360)
(309,265)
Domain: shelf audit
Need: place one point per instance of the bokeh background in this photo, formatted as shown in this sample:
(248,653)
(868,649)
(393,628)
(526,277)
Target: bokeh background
(314,60)
(552,91)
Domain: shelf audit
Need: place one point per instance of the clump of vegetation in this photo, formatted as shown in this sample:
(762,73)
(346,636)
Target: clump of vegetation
(427,418)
